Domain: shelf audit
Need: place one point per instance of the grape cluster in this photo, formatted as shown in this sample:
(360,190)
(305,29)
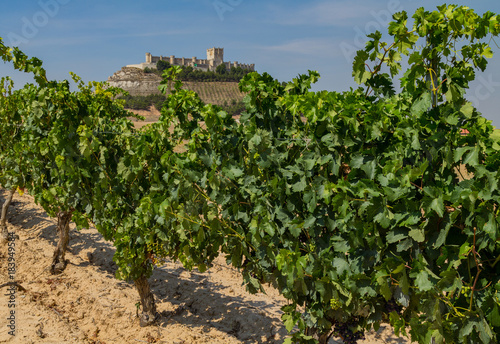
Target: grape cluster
(392,306)
(345,331)
(155,253)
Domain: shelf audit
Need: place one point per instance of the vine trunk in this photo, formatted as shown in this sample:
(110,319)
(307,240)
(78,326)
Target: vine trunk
(3,219)
(149,314)
(58,261)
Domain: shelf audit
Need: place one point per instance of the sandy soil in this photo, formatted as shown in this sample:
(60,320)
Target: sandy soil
(150,116)
(86,304)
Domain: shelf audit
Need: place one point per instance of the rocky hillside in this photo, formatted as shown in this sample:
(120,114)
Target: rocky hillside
(135,81)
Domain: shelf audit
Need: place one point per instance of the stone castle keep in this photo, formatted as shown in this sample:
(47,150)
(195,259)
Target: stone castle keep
(215,57)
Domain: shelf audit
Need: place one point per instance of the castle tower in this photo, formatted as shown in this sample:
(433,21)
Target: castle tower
(148,57)
(215,57)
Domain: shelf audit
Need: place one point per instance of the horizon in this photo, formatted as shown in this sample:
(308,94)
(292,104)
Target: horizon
(285,39)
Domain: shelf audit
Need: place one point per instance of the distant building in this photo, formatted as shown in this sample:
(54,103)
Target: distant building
(215,57)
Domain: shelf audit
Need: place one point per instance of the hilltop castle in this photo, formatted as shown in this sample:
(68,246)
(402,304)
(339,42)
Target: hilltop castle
(215,57)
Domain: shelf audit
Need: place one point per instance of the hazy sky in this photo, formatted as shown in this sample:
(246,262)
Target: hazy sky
(284,38)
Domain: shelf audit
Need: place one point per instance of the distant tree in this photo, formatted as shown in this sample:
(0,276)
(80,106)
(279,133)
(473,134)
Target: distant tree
(186,73)
(238,71)
(221,69)
(220,74)
(144,102)
(162,65)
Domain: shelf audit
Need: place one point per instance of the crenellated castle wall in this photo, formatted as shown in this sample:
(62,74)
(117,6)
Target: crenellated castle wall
(215,57)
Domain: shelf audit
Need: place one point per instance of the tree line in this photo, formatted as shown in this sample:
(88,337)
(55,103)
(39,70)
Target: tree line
(233,107)
(233,74)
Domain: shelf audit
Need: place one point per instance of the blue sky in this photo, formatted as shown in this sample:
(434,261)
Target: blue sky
(284,38)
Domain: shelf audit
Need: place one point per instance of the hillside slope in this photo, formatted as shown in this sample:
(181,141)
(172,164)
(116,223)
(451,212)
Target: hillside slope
(138,83)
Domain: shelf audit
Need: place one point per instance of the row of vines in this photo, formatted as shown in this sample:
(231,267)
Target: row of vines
(351,204)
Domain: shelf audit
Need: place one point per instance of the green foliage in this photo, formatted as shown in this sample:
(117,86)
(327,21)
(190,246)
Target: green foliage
(221,74)
(234,108)
(162,65)
(21,62)
(144,102)
(234,74)
(221,69)
(356,197)
(10,174)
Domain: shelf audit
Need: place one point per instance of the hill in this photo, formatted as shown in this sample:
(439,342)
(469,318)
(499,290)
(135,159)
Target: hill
(139,83)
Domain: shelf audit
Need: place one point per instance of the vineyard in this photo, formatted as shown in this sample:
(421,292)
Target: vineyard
(215,92)
(350,205)
(85,304)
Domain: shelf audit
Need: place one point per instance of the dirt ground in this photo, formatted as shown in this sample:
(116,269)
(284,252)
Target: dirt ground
(86,304)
